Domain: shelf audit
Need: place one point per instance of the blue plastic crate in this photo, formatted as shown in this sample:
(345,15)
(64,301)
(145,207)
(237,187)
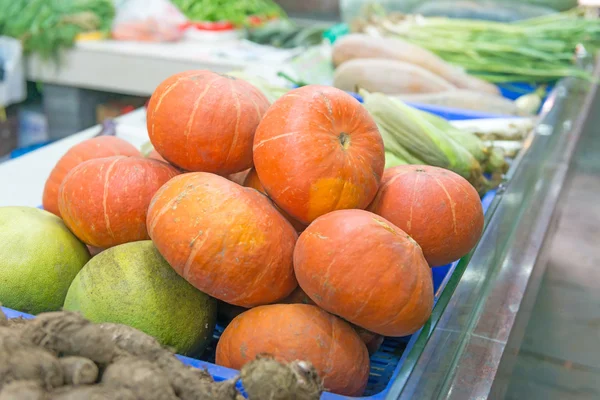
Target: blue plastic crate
(387,361)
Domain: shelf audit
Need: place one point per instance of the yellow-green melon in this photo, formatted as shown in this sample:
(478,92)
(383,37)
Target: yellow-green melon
(39,257)
(132,284)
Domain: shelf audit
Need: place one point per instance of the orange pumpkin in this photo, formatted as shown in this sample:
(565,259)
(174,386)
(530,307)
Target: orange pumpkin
(359,266)
(154,154)
(239,177)
(204,121)
(226,240)
(317,150)
(438,208)
(253,182)
(104,201)
(372,340)
(292,332)
(298,296)
(97,147)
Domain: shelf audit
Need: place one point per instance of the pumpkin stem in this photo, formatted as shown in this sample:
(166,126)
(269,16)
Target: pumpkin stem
(344,139)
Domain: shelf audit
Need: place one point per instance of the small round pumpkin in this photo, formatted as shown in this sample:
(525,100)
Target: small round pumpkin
(298,296)
(104,201)
(226,240)
(292,332)
(361,267)
(317,150)
(239,177)
(253,182)
(438,208)
(372,340)
(204,121)
(97,147)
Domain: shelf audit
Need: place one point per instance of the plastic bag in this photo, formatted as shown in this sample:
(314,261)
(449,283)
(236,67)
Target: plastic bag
(148,21)
(13,88)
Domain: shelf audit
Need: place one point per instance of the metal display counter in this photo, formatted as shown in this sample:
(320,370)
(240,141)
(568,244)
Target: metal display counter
(468,348)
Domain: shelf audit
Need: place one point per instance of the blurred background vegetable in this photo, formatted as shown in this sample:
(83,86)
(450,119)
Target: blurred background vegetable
(286,34)
(234,11)
(47,26)
(532,50)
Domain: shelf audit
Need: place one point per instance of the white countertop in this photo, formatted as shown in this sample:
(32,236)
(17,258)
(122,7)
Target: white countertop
(137,68)
(22,180)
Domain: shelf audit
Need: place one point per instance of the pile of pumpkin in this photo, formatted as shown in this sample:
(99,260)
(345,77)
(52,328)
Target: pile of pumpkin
(282,210)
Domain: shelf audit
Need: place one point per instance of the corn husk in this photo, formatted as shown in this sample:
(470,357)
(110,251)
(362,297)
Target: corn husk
(393,160)
(392,146)
(491,159)
(422,139)
(271,92)
(146,149)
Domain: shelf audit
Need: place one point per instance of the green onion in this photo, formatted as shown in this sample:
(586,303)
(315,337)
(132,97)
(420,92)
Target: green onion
(540,49)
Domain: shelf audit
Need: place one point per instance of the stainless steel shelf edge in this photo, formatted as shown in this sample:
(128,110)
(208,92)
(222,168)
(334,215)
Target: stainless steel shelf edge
(461,357)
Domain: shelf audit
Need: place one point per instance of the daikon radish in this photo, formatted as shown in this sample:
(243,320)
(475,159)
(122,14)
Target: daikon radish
(466,99)
(359,46)
(389,77)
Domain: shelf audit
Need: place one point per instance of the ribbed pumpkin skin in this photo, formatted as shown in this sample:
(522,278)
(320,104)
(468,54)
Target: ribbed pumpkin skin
(203,121)
(438,208)
(292,332)
(226,240)
(97,147)
(252,181)
(104,201)
(372,340)
(361,267)
(318,150)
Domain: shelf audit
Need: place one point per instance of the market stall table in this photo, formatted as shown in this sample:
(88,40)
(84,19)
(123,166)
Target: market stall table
(136,68)
(23,178)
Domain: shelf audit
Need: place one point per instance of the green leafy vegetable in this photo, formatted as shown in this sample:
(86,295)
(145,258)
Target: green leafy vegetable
(47,26)
(539,49)
(234,11)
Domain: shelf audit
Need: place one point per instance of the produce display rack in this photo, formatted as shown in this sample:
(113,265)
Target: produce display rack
(387,361)
(478,297)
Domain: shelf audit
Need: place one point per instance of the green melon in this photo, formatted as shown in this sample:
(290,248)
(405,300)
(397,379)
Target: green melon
(132,284)
(39,258)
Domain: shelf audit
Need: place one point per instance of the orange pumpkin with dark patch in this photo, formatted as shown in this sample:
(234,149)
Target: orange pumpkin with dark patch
(298,296)
(359,266)
(97,147)
(292,332)
(226,240)
(204,121)
(239,177)
(317,150)
(438,208)
(104,201)
(372,340)
(253,182)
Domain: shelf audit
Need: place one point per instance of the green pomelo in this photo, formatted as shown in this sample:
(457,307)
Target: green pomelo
(132,284)
(39,258)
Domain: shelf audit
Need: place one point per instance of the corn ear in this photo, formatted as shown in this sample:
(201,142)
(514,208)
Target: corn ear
(146,149)
(491,160)
(392,160)
(422,139)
